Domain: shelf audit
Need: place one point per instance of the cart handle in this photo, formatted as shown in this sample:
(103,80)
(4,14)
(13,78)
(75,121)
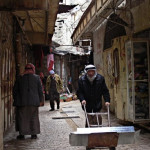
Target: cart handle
(108,115)
(86,116)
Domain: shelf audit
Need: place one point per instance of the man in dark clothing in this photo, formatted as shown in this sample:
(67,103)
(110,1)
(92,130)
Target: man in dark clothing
(91,88)
(27,94)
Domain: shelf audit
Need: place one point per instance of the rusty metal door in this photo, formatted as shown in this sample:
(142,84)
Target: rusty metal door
(7,81)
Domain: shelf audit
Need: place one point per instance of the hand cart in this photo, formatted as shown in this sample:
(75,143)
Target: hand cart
(98,136)
(96,121)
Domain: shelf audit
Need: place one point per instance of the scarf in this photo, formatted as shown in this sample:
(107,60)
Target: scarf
(29,69)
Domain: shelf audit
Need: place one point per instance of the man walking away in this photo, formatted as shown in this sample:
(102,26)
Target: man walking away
(27,94)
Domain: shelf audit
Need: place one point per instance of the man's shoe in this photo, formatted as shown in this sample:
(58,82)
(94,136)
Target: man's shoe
(57,107)
(20,137)
(34,136)
(51,109)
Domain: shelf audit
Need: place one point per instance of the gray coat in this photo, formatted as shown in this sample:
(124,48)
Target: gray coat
(27,91)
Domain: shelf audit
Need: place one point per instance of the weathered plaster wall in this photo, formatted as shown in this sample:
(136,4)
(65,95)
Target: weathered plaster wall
(139,18)
(98,43)
(117,88)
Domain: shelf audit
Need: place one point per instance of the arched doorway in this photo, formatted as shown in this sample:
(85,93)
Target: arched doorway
(115,27)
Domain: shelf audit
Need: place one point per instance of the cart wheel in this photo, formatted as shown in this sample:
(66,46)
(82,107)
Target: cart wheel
(112,148)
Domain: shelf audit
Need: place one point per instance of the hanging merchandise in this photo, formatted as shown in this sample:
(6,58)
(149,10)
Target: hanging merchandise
(50,60)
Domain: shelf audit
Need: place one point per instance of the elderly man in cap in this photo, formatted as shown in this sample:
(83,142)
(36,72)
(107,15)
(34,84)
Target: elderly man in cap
(53,88)
(91,88)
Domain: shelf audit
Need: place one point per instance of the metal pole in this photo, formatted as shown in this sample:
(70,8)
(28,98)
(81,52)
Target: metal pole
(108,116)
(97,119)
(86,116)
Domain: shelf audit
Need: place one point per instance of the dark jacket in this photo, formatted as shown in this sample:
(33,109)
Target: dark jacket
(27,91)
(93,93)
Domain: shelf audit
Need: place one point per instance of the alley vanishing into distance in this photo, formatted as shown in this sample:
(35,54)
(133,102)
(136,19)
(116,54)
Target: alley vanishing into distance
(55,132)
(65,36)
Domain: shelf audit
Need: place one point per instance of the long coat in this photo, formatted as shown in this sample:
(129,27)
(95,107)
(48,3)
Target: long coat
(27,90)
(93,93)
(59,85)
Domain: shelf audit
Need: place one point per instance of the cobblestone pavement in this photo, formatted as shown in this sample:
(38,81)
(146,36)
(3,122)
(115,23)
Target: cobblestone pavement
(55,132)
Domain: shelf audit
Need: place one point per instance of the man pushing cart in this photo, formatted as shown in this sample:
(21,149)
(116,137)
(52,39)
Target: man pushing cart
(91,88)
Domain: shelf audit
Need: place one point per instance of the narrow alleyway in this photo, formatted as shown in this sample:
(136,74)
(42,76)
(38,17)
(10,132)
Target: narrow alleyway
(55,132)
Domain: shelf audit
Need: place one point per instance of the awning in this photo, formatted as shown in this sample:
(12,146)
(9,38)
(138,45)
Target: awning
(63,50)
(11,5)
(36,18)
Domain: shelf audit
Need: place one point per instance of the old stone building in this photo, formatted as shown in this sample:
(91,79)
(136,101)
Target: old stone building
(119,31)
